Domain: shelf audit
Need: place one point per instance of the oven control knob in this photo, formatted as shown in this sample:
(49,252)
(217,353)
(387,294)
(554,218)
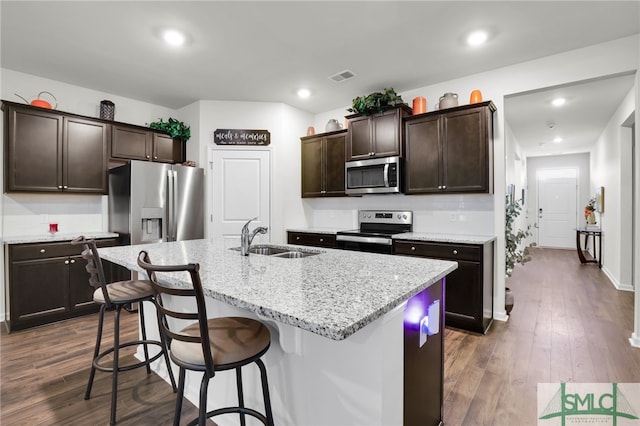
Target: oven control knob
(404,216)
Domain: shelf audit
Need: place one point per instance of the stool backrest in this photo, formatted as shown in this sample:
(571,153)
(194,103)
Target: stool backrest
(160,290)
(94,266)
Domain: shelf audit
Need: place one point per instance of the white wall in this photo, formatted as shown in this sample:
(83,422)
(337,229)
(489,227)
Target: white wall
(285,124)
(611,168)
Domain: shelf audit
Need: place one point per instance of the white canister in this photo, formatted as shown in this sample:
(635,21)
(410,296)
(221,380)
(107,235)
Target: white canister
(448,100)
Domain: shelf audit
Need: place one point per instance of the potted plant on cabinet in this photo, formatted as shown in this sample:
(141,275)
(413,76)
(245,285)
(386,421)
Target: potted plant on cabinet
(514,252)
(375,102)
(176,128)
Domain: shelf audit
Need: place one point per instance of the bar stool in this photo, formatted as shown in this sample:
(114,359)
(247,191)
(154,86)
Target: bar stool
(114,297)
(209,345)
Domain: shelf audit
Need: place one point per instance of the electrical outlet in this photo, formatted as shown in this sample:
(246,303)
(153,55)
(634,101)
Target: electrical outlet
(452,217)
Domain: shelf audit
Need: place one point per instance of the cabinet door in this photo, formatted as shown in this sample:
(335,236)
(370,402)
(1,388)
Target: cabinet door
(166,149)
(85,156)
(359,144)
(80,291)
(34,151)
(312,167)
(130,143)
(38,289)
(385,133)
(335,157)
(464,297)
(465,151)
(422,161)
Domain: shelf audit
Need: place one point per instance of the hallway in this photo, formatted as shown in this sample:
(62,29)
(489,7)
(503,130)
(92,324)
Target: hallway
(569,324)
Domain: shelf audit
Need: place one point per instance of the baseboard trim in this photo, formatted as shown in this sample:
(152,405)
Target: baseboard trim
(616,283)
(501,316)
(634,340)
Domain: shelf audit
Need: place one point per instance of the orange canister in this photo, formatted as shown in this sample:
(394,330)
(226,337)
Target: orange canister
(419,105)
(476,96)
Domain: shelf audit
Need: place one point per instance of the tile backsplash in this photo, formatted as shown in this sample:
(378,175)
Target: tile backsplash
(31,214)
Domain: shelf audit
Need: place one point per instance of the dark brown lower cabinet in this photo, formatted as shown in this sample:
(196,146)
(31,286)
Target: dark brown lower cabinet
(311,239)
(468,289)
(48,282)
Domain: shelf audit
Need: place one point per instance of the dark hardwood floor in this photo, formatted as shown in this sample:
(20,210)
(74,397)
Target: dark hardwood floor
(569,324)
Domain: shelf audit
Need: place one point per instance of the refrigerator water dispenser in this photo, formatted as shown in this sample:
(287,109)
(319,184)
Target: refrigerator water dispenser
(151,224)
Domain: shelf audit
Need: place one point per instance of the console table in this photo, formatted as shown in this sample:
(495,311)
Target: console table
(596,235)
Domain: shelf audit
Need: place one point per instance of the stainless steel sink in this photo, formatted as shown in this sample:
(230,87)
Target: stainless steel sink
(275,251)
(296,254)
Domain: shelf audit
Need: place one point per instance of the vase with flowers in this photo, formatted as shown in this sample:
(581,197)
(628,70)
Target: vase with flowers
(588,211)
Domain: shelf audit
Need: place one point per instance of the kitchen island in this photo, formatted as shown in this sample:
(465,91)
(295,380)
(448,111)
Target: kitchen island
(356,337)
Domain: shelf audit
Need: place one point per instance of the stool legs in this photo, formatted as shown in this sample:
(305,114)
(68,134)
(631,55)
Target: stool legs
(179,397)
(240,394)
(115,369)
(96,351)
(265,391)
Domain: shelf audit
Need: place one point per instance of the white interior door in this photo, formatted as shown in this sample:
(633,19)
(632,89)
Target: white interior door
(557,212)
(240,190)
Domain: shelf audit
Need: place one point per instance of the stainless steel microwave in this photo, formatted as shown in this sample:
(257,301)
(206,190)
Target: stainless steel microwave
(373,176)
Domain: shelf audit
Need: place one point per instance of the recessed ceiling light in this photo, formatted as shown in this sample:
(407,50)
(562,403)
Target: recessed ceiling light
(557,140)
(477,38)
(174,37)
(304,93)
(558,102)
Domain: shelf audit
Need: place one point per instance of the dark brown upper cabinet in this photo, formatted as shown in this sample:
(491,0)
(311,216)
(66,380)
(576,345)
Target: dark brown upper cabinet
(138,143)
(46,151)
(323,158)
(376,135)
(450,151)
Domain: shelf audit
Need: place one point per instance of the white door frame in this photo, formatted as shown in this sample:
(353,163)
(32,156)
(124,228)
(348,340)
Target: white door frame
(209,181)
(558,172)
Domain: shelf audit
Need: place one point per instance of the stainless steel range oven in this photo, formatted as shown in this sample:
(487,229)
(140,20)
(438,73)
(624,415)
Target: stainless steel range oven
(375,230)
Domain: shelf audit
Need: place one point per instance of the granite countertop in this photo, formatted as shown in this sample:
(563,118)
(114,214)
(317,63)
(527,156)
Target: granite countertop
(51,238)
(445,238)
(333,294)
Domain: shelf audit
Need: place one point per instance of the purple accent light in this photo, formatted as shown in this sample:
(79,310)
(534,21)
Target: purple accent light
(417,308)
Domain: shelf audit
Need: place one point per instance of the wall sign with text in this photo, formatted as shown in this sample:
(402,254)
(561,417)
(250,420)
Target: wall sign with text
(241,137)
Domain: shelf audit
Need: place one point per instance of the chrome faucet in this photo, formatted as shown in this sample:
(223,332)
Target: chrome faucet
(246,237)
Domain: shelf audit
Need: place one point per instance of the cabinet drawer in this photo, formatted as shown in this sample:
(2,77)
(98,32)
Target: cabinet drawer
(440,250)
(312,239)
(34,251)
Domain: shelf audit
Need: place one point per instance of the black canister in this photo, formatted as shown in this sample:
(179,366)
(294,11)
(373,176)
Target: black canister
(107,110)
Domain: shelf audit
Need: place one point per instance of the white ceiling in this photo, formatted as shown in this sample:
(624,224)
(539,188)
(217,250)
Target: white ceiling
(265,51)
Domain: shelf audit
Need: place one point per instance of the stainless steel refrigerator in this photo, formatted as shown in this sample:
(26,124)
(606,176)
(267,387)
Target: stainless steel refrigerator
(154,202)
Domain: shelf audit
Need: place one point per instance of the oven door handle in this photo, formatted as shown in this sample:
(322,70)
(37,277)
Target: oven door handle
(369,240)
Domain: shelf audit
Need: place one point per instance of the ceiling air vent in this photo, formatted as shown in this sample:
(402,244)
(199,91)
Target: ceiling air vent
(342,76)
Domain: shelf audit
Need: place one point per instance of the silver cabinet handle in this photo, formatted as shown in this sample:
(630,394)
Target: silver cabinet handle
(147,156)
(444,186)
(73,261)
(297,238)
(455,252)
(321,239)
(42,250)
(59,186)
(65,187)
(66,262)
(155,157)
(413,249)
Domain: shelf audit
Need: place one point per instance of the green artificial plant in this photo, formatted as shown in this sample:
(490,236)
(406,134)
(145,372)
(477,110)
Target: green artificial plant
(177,129)
(375,102)
(513,238)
